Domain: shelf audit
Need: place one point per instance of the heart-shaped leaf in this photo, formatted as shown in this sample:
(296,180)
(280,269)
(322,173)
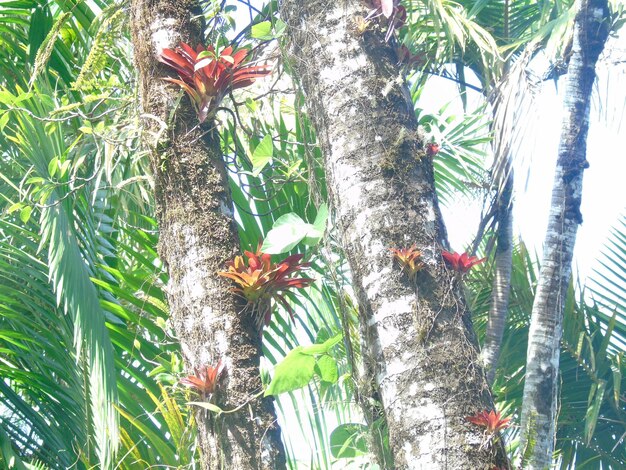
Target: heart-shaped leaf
(292,373)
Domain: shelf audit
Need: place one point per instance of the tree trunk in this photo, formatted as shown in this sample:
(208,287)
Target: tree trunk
(502,279)
(542,363)
(197,236)
(419,348)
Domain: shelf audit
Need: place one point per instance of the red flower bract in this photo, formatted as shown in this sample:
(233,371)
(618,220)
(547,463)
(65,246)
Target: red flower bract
(492,421)
(461,262)
(390,9)
(432,149)
(207,76)
(410,258)
(261,281)
(205,378)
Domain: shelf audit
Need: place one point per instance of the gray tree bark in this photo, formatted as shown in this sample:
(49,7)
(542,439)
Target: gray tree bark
(542,364)
(501,281)
(420,352)
(197,236)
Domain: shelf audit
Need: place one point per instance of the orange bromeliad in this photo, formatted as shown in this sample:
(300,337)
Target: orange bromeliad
(205,379)
(260,281)
(409,258)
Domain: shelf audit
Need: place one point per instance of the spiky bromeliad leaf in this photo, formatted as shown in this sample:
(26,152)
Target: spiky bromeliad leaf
(207,76)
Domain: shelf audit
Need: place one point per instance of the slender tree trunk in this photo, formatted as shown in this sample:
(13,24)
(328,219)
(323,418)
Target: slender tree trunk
(542,364)
(419,348)
(197,236)
(501,281)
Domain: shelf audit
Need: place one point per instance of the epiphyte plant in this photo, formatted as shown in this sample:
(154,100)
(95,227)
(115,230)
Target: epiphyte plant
(461,263)
(208,76)
(260,281)
(410,259)
(392,11)
(205,379)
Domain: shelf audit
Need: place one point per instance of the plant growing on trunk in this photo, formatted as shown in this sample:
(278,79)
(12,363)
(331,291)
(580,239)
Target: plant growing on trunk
(208,76)
(392,11)
(198,233)
(205,379)
(409,259)
(383,195)
(461,263)
(262,282)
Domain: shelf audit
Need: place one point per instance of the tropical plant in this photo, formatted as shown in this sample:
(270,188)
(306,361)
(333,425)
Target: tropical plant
(69,100)
(207,76)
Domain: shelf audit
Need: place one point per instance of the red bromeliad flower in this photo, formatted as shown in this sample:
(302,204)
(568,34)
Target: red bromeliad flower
(261,281)
(432,149)
(461,263)
(492,421)
(207,76)
(390,9)
(405,57)
(410,258)
(205,378)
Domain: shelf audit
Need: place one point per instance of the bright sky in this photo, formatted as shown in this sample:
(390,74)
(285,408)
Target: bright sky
(604,194)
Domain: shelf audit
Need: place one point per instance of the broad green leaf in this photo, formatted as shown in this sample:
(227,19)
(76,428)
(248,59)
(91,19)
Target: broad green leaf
(288,230)
(53,166)
(262,155)
(326,368)
(25,214)
(262,30)
(293,372)
(348,440)
(319,227)
(279,28)
(324,347)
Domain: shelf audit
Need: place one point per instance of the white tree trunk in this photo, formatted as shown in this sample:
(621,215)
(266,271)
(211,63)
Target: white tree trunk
(419,348)
(542,363)
(197,236)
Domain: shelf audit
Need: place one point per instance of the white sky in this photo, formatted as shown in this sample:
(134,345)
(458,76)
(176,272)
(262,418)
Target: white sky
(604,188)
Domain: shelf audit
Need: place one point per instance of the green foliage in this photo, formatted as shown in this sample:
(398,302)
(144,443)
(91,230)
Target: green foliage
(296,370)
(289,230)
(591,419)
(348,440)
(84,333)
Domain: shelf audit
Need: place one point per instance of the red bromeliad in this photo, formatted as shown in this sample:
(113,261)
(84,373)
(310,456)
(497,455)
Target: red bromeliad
(207,76)
(261,281)
(491,421)
(390,9)
(410,258)
(461,262)
(205,379)
(432,149)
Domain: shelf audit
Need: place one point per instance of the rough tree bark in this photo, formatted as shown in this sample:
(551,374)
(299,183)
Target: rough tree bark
(542,364)
(197,236)
(420,353)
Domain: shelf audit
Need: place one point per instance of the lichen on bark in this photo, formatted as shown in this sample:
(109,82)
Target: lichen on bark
(197,236)
(420,352)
